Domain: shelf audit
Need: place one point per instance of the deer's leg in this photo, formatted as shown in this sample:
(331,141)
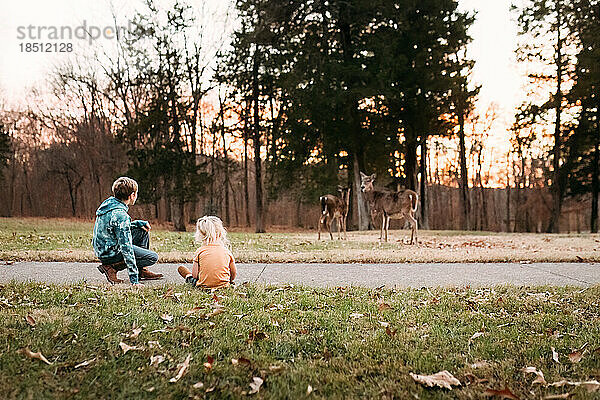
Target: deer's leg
(382,226)
(329,221)
(345,230)
(319,226)
(339,226)
(387,227)
(413,232)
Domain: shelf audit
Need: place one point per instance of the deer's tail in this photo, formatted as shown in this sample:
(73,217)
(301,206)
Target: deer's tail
(323,201)
(415,201)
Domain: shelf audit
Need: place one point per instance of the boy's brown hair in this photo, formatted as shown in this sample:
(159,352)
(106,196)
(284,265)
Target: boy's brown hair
(123,187)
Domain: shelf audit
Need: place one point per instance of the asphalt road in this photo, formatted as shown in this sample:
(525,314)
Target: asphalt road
(332,275)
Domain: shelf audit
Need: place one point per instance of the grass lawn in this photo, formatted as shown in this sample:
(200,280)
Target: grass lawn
(38,239)
(339,343)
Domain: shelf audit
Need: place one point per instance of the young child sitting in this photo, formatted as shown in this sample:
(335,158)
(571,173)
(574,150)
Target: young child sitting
(214,265)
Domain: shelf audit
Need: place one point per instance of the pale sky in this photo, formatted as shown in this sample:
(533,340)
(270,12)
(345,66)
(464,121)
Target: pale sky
(494,42)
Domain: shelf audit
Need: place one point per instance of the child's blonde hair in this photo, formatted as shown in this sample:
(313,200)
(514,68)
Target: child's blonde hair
(210,229)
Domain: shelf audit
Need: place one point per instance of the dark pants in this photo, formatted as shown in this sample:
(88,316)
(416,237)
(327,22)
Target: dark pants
(143,257)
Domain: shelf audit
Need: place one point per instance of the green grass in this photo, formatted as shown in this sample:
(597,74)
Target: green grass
(310,334)
(38,239)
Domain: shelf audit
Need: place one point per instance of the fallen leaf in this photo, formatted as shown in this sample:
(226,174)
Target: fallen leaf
(356,315)
(155,360)
(309,390)
(167,318)
(198,385)
(575,356)
(480,364)
(539,375)
(183,367)
(443,379)
(390,332)
(255,385)
(241,360)
(193,311)
(216,298)
(125,347)
(590,386)
(85,363)
(256,335)
(384,324)
(216,311)
(554,355)
(209,362)
(557,396)
(476,335)
(275,368)
(135,333)
(31,354)
(503,394)
(384,306)
(30,320)
(153,344)
(169,293)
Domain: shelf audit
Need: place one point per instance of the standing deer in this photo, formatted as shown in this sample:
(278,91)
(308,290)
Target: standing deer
(397,205)
(334,207)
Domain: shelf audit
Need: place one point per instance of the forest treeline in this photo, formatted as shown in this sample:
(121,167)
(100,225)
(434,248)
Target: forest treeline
(302,97)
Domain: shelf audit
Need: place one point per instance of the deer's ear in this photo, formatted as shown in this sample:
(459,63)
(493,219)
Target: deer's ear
(374,175)
(363,176)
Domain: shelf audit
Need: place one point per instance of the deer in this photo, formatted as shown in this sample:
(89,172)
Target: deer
(398,205)
(334,207)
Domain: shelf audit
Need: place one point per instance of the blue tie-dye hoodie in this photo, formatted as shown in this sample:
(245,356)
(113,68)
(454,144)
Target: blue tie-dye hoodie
(112,234)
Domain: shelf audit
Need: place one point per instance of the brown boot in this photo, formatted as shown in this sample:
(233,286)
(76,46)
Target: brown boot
(146,275)
(110,272)
(184,272)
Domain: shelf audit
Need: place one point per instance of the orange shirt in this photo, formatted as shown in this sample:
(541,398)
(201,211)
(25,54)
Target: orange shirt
(214,266)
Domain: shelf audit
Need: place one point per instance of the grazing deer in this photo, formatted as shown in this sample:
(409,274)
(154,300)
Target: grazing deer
(334,207)
(401,204)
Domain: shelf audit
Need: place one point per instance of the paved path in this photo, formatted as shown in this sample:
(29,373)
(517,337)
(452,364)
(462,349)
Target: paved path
(331,275)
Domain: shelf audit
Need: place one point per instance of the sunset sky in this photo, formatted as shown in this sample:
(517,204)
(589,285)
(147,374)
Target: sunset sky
(494,35)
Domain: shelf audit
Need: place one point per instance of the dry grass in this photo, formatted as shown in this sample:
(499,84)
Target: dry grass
(68,240)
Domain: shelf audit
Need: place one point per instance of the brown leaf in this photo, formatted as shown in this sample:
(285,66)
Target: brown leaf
(557,396)
(166,318)
(384,306)
(216,298)
(503,394)
(390,332)
(198,385)
(590,386)
(193,311)
(539,375)
(255,385)
(135,333)
(209,362)
(169,293)
(153,344)
(443,379)
(216,311)
(30,320)
(155,360)
(125,347)
(183,367)
(256,335)
(309,390)
(31,354)
(275,368)
(240,361)
(480,364)
(575,356)
(85,363)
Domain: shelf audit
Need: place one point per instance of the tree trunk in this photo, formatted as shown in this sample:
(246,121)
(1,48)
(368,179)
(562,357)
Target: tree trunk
(226,160)
(464,179)
(179,215)
(260,228)
(556,181)
(246,190)
(594,217)
(424,223)
(361,209)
